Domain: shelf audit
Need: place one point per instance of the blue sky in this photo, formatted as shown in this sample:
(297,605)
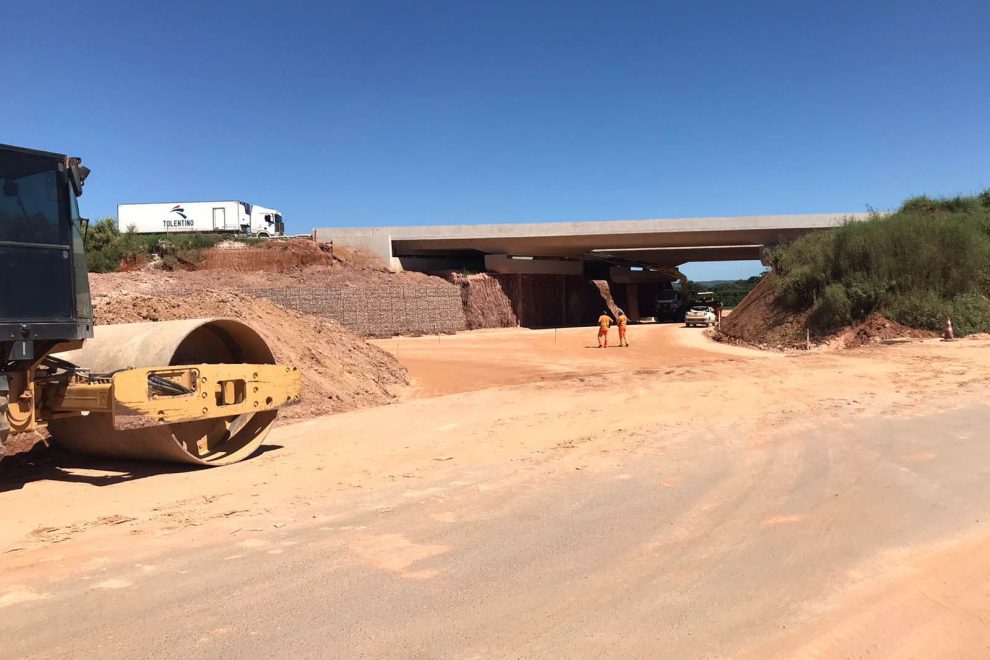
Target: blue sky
(359,113)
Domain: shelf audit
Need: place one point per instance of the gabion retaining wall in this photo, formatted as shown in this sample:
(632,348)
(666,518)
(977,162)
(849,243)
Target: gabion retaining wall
(379,311)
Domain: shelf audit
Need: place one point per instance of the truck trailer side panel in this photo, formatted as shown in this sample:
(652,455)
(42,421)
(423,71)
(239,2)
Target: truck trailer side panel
(167,218)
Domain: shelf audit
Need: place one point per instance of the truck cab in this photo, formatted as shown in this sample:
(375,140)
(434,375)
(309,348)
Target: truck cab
(266,222)
(44,294)
(668,305)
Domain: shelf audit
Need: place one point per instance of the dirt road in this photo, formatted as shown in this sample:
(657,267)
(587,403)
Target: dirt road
(675,498)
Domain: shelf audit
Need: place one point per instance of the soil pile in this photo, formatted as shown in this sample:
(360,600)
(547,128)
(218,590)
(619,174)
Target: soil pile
(877,328)
(20,444)
(340,371)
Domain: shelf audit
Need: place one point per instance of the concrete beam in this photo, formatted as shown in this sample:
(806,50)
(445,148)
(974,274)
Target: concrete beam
(433,264)
(501,263)
(622,275)
(375,242)
(675,256)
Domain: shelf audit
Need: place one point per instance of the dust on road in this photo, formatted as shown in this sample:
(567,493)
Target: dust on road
(678,495)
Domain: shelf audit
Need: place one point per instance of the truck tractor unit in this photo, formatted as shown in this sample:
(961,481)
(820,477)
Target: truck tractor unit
(230,217)
(200,391)
(669,305)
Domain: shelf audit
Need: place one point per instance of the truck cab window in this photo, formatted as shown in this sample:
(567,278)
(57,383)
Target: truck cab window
(29,208)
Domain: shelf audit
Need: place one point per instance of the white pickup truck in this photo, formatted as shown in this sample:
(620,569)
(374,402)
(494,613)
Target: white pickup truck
(699,315)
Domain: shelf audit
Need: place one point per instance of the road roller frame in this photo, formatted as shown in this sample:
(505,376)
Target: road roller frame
(188,393)
(201,391)
(56,389)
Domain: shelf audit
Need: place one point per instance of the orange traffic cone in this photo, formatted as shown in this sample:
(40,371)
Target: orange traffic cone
(948,336)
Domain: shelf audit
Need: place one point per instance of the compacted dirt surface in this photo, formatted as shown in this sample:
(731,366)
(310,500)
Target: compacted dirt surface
(532,496)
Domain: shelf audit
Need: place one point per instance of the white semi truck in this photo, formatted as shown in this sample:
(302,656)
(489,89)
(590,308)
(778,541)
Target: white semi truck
(194,217)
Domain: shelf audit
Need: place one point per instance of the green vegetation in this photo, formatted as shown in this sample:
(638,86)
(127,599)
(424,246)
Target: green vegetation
(107,247)
(929,260)
(729,293)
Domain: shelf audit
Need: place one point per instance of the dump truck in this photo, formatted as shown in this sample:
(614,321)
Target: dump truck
(229,217)
(202,391)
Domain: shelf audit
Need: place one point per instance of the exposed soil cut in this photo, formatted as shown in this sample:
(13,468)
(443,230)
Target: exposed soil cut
(485,302)
(270,256)
(606,294)
(298,262)
(759,320)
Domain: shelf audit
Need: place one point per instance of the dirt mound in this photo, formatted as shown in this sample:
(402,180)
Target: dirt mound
(877,328)
(19,445)
(340,371)
(272,256)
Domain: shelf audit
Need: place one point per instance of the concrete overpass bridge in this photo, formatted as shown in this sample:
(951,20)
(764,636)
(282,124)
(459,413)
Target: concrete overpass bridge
(567,247)
(559,273)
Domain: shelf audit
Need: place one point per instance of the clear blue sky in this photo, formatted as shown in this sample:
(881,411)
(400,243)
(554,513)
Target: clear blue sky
(415,112)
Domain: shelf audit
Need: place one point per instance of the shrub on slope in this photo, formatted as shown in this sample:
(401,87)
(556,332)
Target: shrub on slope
(929,260)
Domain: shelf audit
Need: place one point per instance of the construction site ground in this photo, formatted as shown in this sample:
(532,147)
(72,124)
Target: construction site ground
(531,495)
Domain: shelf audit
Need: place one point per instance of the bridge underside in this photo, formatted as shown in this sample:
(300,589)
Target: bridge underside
(645,250)
(552,247)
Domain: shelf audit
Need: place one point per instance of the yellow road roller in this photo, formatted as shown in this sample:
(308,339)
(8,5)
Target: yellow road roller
(202,391)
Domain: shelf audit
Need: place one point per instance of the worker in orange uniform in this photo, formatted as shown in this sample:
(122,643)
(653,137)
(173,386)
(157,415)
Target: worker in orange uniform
(621,320)
(603,322)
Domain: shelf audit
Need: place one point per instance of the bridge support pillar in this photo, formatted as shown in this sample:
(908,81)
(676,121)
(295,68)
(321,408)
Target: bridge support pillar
(632,302)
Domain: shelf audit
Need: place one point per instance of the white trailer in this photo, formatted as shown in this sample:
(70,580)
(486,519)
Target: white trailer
(193,217)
